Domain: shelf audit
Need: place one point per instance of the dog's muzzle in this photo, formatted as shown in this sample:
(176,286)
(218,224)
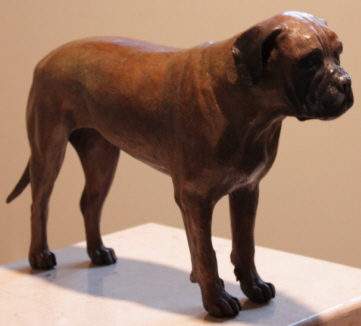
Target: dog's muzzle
(331,96)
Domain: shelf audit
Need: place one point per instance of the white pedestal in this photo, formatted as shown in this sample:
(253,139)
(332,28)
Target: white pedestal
(149,285)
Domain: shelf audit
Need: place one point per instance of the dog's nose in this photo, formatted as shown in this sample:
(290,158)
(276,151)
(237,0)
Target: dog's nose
(344,87)
(345,83)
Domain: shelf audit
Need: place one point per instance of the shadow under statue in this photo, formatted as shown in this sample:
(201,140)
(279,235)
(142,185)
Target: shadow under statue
(209,116)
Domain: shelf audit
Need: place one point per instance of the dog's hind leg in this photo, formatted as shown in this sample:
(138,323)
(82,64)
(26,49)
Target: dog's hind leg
(99,159)
(48,139)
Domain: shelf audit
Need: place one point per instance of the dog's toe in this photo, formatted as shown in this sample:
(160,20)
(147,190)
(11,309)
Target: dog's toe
(223,306)
(42,260)
(259,292)
(102,256)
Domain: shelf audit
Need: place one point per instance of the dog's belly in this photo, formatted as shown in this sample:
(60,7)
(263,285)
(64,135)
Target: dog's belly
(146,147)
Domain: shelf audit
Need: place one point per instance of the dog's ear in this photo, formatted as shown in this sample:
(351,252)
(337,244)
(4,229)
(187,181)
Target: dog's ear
(251,51)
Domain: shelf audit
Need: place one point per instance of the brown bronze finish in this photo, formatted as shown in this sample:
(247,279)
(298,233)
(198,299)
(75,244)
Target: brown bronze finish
(209,116)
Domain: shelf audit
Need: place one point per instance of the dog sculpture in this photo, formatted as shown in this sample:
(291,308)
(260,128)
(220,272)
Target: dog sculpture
(209,116)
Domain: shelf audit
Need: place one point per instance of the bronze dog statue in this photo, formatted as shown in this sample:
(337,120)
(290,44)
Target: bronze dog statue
(209,116)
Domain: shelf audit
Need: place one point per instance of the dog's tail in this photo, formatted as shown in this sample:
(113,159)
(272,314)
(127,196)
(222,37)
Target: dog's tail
(21,185)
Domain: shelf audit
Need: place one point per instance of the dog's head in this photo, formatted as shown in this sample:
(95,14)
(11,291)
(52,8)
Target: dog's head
(300,55)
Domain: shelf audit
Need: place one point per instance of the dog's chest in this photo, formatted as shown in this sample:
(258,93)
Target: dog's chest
(257,156)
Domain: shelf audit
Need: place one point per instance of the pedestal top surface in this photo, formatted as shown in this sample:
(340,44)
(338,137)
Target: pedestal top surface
(149,285)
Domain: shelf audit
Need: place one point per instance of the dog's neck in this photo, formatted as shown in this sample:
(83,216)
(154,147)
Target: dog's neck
(230,95)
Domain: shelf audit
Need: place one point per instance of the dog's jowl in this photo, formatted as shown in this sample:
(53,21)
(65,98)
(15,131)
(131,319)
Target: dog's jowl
(209,117)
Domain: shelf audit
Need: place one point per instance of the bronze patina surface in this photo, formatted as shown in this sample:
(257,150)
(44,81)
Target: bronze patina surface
(210,117)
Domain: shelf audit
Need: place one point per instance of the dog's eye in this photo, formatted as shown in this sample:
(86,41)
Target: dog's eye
(313,60)
(313,63)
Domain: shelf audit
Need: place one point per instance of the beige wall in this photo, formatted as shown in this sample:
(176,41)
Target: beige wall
(310,201)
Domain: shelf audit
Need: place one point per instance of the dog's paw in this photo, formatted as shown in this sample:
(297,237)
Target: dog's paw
(102,256)
(222,306)
(44,259)
(259,291)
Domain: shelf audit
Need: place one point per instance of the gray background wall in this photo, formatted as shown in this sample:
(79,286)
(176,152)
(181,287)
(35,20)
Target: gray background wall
(309,201)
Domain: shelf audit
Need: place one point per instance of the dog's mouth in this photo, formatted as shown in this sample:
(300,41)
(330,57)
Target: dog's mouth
(328,95)
(331,108)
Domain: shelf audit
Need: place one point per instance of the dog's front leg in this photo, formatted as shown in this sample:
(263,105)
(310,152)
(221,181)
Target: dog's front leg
(197,216)
(243,207)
